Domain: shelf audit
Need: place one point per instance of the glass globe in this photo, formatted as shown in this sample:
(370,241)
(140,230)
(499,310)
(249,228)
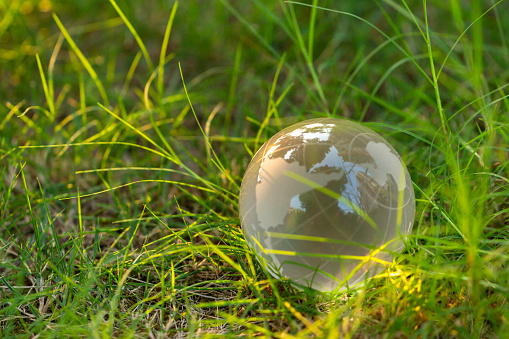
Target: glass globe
(325,202)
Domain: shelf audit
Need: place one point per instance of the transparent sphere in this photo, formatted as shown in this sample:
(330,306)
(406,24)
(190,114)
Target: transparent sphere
(325,202)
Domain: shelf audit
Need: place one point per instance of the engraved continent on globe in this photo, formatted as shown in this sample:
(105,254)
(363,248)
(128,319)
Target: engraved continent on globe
(322,195)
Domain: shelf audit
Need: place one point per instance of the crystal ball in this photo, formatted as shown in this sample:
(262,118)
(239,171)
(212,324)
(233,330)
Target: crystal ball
(326,203)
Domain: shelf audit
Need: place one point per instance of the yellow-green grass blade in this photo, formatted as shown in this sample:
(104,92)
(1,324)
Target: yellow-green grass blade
(164,47)
(421,70)
(135,34)
(334,195)
(47,94)
(83,60)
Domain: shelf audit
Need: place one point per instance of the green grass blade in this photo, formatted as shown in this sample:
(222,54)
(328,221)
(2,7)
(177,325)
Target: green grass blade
(83,60)
(217,162)
(137,131)
(309,61)
(463,34)
(164,47)
(49,98)
(233,88)
(334,195)
(135,34)
(421,70)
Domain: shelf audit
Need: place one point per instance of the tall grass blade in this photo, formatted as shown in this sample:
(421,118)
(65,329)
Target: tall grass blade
(164,47)
(135,34)
(49,97)
(83,60)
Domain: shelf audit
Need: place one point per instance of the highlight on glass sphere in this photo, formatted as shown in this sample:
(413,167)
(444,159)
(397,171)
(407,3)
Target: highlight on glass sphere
(325,202)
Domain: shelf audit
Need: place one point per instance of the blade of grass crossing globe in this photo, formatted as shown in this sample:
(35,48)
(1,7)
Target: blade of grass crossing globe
(334,195)
(290,236)
(361,258)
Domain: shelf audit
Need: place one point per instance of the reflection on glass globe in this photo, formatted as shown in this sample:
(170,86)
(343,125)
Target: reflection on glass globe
(325,201)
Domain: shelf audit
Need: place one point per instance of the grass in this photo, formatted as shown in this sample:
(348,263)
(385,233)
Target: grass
(126,128)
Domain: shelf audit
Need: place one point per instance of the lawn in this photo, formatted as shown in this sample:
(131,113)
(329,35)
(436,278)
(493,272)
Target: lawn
(126,128)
